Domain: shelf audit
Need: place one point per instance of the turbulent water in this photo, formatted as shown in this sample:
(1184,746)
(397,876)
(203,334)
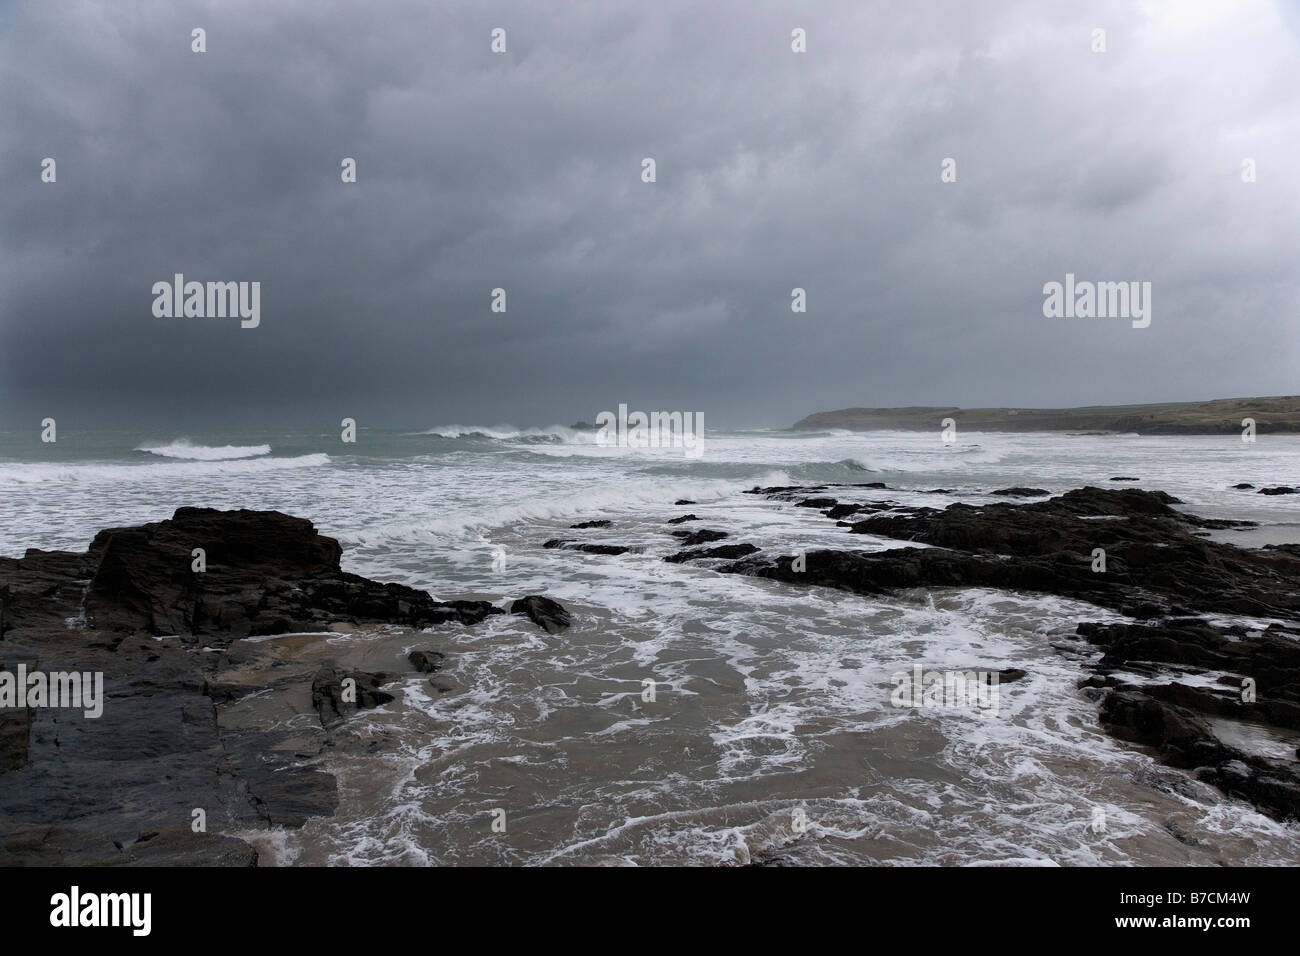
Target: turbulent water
(768,700)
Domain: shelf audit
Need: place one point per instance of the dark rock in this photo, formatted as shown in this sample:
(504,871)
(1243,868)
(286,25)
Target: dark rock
(1152,557)
(173,845)
(15,736)
(1159,571)
(1177,832)
(591,524)
(588,548)
(1185,740)
(683,501)
(1019,492)
(174,734)
(679,520)
(267,573)
(842,511)
(426,662)
(731,551)
(1244,484)
(703,536)
(1197,645)
(775,490)
(336,703)
(1124,478)
(549,615)
(1279,490)
(289,799)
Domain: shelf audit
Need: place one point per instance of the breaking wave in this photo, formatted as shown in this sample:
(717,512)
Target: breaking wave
(184,449)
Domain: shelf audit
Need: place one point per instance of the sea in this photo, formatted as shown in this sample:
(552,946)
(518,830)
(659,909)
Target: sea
(691,717)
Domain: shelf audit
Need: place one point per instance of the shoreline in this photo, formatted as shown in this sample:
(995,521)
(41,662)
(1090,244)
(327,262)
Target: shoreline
(230,684)
(1227,416)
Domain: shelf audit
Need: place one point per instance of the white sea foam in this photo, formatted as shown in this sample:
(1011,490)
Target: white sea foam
(183,448)
(508,433)
(110,473)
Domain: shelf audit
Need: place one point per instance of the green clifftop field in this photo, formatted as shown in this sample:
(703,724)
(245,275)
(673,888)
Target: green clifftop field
(1222,415)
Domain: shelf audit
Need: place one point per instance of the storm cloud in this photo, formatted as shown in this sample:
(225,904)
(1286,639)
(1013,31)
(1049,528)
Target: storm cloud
(522,170)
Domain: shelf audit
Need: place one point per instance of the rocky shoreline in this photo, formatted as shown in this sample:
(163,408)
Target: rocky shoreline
(1166,681)
(177,758)
(204,624)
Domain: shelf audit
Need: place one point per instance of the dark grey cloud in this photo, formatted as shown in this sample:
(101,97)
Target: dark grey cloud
(522,171)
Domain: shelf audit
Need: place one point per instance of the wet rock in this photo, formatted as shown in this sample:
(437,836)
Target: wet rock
(730,551)
(772,491)
(1152,558)
(842,510)
(1270,656)
(426,662)
(1125,478)
(289,799)
(1095,680)
(170,845)
(1243,485)
(1185,740)
(335,702)
(266,573)
(176,733)
(1158,571)
(588,548)
(679,520)
(1019,492)
(15,735)
(1177,832)
(1279,490)
(703,536)
(683,501)
(444,685)
(599,523)
(549,615)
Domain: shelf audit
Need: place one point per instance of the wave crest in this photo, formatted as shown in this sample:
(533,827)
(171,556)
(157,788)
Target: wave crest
(554,435)
(185,449)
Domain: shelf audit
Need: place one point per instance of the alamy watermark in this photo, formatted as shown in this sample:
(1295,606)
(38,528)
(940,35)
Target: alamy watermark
(684,430)
(63,689)
(77,909)
(213,300)
(951,690)
(1098,300)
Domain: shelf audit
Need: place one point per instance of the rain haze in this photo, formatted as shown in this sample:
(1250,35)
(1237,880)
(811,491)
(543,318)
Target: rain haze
(522,171)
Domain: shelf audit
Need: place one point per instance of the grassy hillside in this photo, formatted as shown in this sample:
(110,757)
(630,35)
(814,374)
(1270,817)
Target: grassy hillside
(1222,415)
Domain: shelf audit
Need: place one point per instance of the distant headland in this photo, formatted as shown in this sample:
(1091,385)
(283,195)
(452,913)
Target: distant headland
(1219,416)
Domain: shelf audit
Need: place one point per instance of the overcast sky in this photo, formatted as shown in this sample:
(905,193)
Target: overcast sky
(522,170)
